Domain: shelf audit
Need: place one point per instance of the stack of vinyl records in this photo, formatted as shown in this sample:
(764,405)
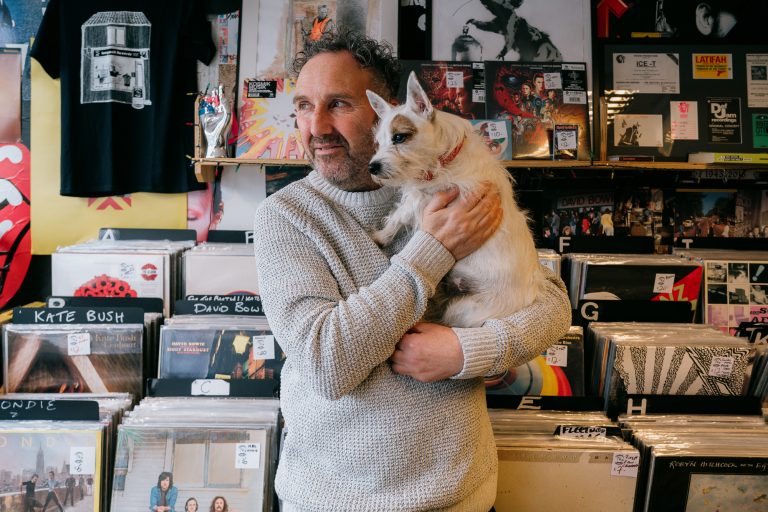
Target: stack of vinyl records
(66,462)
(631,277)
(220,269)
(587,461)
(217,453)
(667,359)
(700,462)
(550,259)
(219,347)
(73,358)
(735,286)
(121,268)
(558,371)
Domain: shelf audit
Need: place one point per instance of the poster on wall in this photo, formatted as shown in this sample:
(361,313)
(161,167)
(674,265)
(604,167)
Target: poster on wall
(724,120)
(757,80)
(647,73)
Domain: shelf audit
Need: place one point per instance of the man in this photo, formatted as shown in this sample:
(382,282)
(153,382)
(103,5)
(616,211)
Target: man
(322,24)
(70,483)
(606,222)
(51,484)
(219,504)
(382,412)
(30,503)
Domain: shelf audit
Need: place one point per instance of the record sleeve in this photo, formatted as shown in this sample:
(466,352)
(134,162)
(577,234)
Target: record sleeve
(454,87)
(219,273)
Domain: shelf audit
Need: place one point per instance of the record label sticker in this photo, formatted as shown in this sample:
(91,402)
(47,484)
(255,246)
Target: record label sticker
(79,344)
(263,347)
(82,460)
(454,79)
(557,355)
(721,366)
(210,387)
(625,464)
(247,455)
(663,283)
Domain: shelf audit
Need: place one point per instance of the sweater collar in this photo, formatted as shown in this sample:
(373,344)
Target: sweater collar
(369,198)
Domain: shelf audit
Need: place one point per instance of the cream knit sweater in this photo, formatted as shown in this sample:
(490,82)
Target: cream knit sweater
(361,437)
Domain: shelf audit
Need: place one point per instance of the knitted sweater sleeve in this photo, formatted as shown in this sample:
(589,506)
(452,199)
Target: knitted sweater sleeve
(508,342)
(333,311)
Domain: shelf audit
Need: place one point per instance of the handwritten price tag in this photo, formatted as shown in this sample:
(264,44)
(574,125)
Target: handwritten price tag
(625,464)
(247,455)
(721,366)
(82,460)
(663,283)
(454,79)
(567,140)
(263,347)
(79,344)
(557,355)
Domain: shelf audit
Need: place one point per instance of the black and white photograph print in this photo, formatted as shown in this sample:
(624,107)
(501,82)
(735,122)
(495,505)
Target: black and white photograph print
(758,272)
(737,273)
(759,294)
(717,294)
(512,30)
(738,294)
(717,271)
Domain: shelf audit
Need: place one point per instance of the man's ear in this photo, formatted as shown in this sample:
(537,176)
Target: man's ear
(379,104)
(417,100)
(704,19)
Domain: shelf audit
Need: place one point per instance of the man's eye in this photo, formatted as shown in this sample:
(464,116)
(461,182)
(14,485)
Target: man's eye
(302,107)
(337,104)
(399,138)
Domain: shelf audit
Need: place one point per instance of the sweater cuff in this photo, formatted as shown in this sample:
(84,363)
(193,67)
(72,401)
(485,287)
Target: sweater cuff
(480,351)
(427,255)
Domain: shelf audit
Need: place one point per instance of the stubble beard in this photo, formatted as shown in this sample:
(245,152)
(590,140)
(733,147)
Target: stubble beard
(348,172)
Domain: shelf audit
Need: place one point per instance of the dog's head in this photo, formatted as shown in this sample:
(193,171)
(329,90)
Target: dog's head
(409,143)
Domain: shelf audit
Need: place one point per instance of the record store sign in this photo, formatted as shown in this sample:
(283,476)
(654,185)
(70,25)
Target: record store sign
(59,410)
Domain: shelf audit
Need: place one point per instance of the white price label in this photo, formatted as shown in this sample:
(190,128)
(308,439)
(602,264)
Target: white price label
(557,355)
(454,79)
(575,97)
(496,130)
(79,344)
(553,81)
(247,455)
(263,347)
(567,139)
(210,387)
(663,283)
(721,366)
(82,460)
(478,96)
(625,464)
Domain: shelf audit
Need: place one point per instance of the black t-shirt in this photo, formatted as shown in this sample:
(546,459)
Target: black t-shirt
(126,68)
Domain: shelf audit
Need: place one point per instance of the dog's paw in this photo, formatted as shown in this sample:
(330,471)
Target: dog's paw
(381,238)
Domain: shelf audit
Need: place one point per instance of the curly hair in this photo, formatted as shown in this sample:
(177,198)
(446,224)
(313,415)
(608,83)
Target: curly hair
(372,55)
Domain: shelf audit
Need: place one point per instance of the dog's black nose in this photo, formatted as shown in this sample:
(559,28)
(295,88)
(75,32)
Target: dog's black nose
(374,167)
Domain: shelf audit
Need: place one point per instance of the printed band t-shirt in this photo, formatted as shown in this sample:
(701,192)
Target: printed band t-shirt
(127,68)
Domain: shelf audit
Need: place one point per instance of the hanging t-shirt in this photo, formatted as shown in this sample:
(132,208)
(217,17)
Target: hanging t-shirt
(127,69)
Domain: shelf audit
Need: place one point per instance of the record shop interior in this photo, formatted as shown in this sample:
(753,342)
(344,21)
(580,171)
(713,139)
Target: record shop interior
(232,280)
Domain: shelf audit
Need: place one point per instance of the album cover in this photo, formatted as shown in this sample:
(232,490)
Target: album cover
(212,466)
(278,177)
(573,213)
(705,213)
(108,275)
(735,291)
(219,273)
(219,353)
(73,358)
(497,136)
(638,212)
(51,465)
(535,97)
(454,87)
(268,121)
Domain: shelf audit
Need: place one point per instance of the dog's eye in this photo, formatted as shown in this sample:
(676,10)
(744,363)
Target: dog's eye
(399,138)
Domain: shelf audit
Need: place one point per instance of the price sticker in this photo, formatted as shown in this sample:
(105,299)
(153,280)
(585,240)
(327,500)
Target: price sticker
(663,283)
(210,387)
(82,460)
(79,344)
(454,79)
(567,139)
(247,455)
(625,464)
(263,347)
(557,355)
(553,81)
(721,366)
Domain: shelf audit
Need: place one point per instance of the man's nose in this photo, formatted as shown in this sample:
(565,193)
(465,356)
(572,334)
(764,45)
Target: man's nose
(321,123)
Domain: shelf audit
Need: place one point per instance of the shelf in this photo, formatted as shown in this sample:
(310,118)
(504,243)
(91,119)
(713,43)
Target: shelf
(205,168)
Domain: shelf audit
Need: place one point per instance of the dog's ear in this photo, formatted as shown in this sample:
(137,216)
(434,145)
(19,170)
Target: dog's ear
(417,100)
(379,104)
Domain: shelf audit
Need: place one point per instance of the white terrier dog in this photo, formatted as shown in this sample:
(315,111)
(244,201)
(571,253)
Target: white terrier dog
(422,151)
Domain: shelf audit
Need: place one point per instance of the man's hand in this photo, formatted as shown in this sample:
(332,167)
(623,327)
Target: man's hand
(463,224)
(428,353)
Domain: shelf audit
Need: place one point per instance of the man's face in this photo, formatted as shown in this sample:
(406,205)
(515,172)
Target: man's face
(50,475)
(218,505)
(526,90)
(322,13)
(335,119)
(538,83)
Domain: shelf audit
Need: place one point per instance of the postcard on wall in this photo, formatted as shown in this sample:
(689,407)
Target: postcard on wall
(757,80)
(760,130)
(647,73)
(724,120)
(640,130)
(684,120)
(712,66)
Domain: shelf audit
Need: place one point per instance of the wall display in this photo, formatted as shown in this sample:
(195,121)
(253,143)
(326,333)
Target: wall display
(518,30)
(760,130)
(638,130)
(700,97)
(736,290)
(454,87)
(757,80)
(535,97)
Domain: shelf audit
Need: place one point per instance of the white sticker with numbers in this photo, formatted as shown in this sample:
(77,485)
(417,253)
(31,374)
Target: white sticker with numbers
(79,344)
(82,460)
(625,464)
(263,347)
(247,455)
(567,139)
(454,79)
(553,81)
(557,355)
(721,366)
(663,283)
